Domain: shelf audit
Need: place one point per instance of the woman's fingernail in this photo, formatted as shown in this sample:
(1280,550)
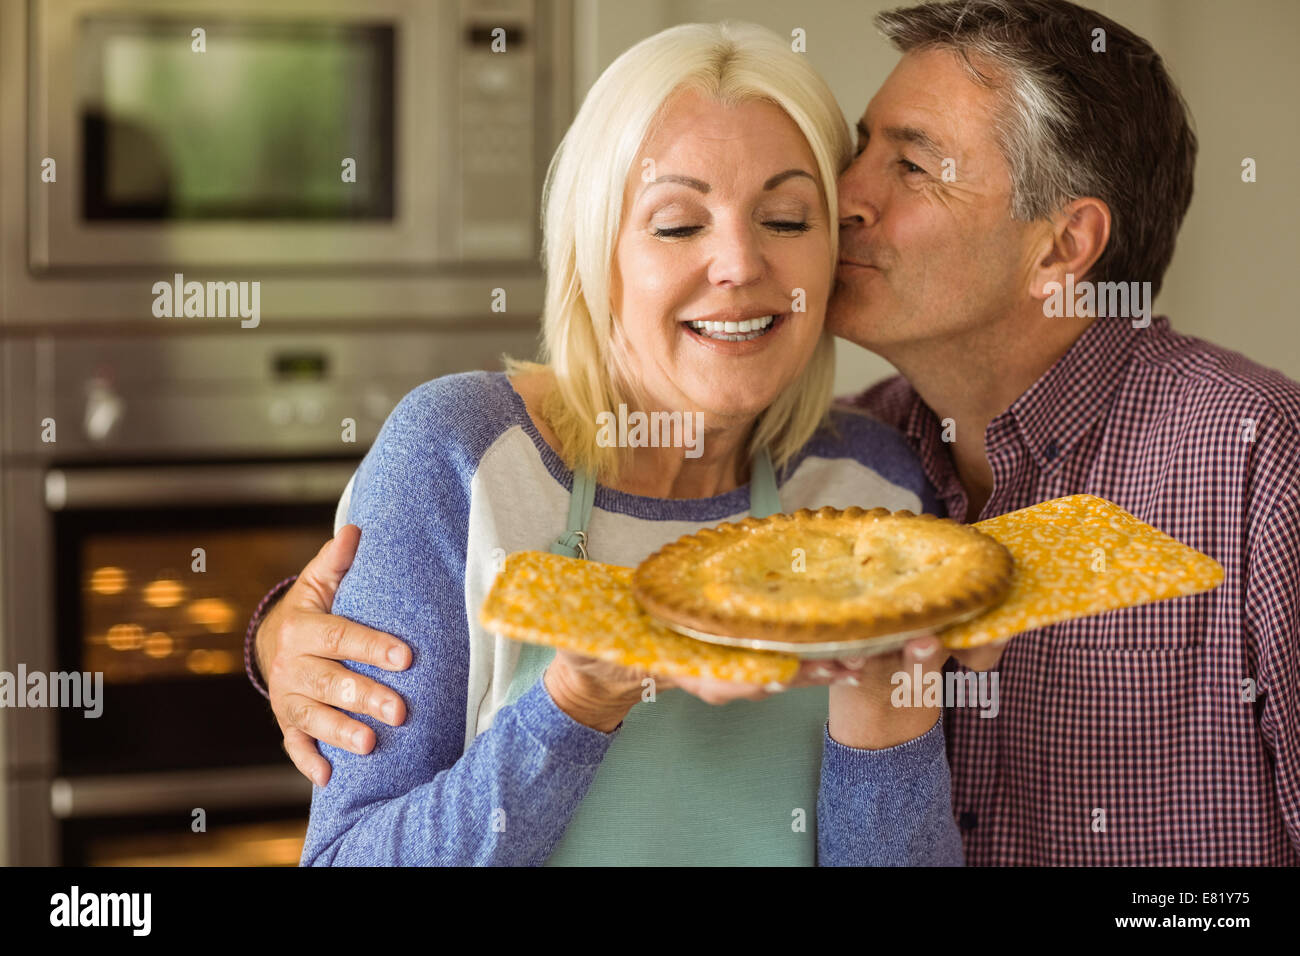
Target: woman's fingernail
(850,680)
(389,710)
(359,739)
(396,657)
(774,687)
(821,672)
(854,663)
(925,650)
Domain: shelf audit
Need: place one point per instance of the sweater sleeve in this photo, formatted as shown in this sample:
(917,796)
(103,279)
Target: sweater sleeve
(890,807)
(417,799)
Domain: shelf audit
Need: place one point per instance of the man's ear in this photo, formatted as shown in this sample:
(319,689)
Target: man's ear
(1077,239)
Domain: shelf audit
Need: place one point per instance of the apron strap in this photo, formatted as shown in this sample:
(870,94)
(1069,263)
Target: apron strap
(573,543)
(764,500)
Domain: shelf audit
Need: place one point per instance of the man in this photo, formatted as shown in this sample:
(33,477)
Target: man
(1008,158)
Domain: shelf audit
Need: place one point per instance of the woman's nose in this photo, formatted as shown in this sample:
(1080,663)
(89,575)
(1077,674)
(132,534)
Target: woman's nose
(737,258)
(856,204)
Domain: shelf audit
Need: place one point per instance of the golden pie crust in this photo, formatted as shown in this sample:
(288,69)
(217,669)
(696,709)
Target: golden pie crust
(825,575)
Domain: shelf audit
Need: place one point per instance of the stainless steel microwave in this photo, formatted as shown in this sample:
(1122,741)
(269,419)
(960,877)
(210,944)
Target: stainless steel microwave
(299,137)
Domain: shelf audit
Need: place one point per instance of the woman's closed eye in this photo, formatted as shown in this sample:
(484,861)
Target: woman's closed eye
(785,226)
(910,167)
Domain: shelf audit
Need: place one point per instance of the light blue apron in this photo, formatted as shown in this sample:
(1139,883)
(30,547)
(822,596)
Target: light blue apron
(688,783)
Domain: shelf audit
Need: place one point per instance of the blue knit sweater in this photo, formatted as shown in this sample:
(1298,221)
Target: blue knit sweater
(458,476)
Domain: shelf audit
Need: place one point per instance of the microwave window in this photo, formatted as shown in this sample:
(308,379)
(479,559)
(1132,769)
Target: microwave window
(257,126)
(174,605)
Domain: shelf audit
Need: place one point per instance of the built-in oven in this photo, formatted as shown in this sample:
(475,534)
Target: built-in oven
(157,571)
(359,159)
(152,489)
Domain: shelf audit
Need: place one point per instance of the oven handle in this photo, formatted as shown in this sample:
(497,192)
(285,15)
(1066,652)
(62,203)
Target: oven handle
(146,793)
(183,485)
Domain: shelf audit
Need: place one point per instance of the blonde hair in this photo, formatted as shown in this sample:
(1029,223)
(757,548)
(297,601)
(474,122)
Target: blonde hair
(582,209)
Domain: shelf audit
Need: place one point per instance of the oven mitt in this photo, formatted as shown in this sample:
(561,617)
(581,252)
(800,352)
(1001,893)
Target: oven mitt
(1074,557)
(587,607)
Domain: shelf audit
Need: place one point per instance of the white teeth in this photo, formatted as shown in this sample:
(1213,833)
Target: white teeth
(743,330)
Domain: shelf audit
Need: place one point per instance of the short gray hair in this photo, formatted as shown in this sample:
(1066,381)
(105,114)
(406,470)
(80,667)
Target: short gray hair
(1073,122)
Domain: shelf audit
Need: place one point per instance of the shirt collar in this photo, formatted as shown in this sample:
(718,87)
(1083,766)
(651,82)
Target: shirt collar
(1058,408)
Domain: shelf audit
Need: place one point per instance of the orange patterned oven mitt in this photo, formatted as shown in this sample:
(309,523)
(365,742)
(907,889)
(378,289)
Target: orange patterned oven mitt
(1074,557)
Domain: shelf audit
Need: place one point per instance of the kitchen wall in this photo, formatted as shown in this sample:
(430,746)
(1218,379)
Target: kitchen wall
(1237,68)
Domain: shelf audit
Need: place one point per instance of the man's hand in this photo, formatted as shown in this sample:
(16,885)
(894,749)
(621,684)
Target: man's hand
(298,646)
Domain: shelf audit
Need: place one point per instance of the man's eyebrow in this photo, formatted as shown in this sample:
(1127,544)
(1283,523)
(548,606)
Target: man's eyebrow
(701,186)
(908,134)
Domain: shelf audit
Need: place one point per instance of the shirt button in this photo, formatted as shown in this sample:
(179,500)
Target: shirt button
(967,820)
(1050,451)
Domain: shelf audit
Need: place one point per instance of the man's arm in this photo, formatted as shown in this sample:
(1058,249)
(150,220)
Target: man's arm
(297,648)
(1273,626)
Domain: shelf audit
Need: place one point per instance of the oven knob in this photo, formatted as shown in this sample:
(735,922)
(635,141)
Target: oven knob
(103,410)
(310,411)
(280,411)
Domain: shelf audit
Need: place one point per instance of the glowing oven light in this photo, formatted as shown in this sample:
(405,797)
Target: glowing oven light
(108,580)
(164,592)
(203,661)
(125,637)
(213,613)
(159,644)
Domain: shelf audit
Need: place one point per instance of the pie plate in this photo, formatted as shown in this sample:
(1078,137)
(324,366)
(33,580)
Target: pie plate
(857,647)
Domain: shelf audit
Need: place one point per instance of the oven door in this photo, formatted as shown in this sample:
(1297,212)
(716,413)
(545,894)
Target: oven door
(157,572)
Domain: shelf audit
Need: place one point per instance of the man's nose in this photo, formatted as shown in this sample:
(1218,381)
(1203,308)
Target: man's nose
(856,204)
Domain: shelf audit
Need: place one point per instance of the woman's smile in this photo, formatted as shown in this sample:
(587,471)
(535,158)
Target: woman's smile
(730,336)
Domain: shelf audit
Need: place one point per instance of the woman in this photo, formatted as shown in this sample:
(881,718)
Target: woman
(690,235)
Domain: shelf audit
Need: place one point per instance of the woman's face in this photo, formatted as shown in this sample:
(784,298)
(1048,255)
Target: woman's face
(723,221)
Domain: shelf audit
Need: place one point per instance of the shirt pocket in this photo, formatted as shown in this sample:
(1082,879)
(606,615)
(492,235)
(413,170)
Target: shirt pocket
(1164,626)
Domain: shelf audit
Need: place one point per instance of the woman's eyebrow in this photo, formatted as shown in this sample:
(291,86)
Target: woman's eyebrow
(779,178)
(701,186)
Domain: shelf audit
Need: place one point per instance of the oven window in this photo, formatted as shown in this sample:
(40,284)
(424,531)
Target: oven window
(173,605)
(165,626)
(256,127)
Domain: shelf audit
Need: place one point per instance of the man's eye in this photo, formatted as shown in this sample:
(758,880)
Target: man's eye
(675,232)
(909,166)
(788,226)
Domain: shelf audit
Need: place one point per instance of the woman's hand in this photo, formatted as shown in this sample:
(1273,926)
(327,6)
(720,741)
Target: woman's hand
(600,695)
(591,691)
(713,691)
(863,714)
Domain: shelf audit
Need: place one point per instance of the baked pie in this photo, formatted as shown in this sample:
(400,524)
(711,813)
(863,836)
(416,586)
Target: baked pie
(823,576)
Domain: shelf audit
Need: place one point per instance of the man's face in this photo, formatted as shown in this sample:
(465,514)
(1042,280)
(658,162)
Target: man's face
(923,255)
